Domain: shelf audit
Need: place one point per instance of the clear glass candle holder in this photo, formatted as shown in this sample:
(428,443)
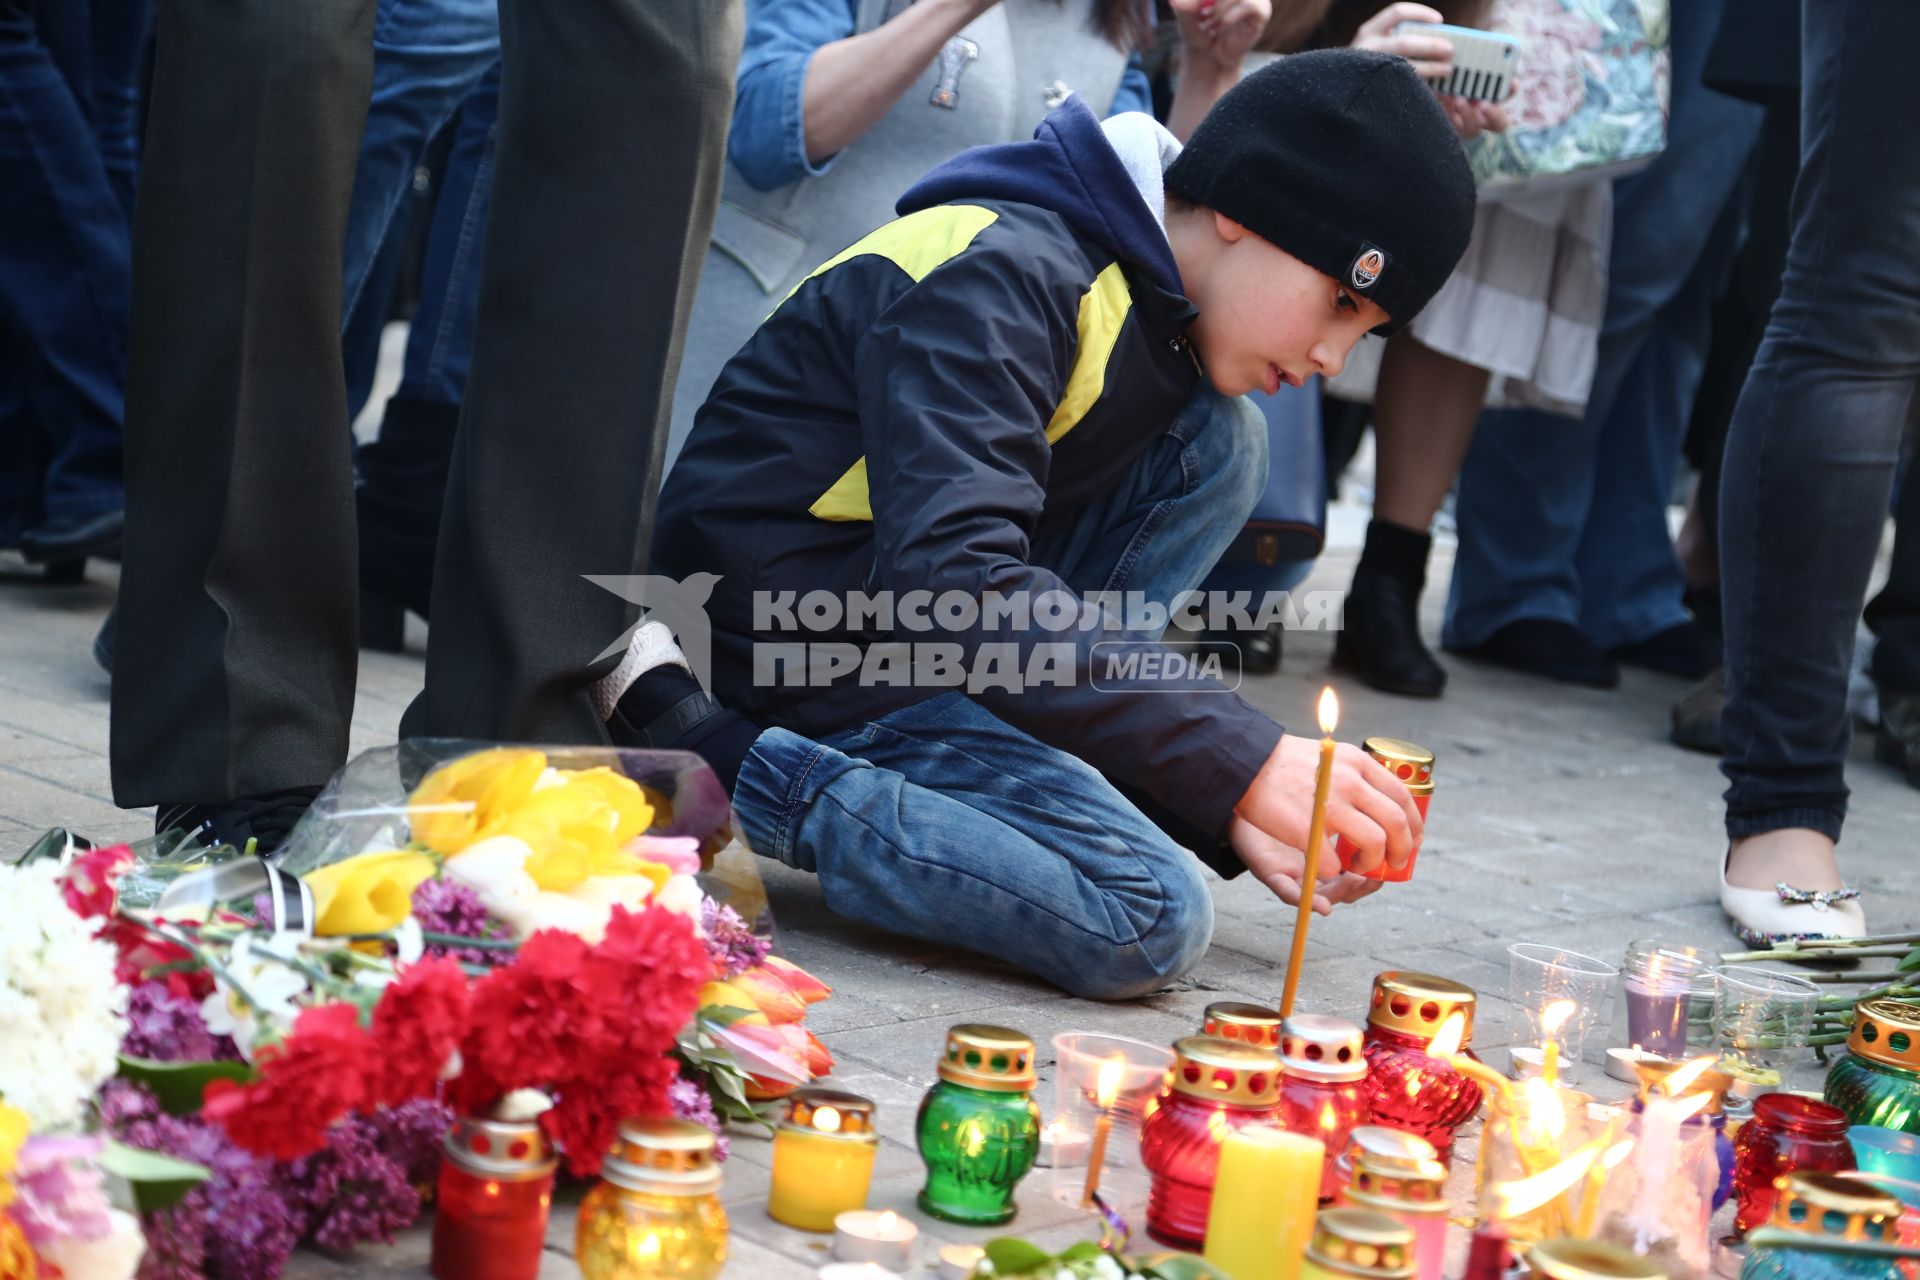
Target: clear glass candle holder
(1540,977)
(1761,1019)
(1136,1071)
(1665,998)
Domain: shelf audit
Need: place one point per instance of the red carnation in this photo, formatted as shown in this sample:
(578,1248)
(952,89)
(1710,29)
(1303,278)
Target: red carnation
(585,1120)
(419,1023)
(318,1074)
(88,884)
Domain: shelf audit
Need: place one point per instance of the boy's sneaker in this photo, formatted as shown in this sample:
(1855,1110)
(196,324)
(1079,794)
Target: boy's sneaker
(266,819)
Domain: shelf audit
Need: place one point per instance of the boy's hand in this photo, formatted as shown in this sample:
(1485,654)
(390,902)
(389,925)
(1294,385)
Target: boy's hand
(1216,34)
(1278,865)
(1365,803)
(1431,56)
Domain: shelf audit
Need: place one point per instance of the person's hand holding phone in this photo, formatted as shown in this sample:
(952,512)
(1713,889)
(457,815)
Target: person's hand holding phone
(1431,55)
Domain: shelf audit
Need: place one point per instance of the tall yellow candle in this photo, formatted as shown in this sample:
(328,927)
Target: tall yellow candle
(1316,837)
(1264,1199)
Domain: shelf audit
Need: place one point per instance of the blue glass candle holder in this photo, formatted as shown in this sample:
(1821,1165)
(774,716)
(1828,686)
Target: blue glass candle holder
(1887,1152)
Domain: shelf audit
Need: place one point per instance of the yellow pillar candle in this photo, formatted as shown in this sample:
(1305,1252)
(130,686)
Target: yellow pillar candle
(1264,1199)
(823,1151)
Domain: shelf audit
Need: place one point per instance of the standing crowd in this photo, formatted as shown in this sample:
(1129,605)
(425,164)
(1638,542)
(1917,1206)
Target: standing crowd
(995,297)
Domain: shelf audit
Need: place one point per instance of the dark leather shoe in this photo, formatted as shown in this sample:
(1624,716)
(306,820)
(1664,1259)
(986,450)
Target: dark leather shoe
(1898,742)
(253,824)
(1696,717)
(1681,650)
(107,640)
(74,537)
(1546,647)
(1253,653)
(1380,639)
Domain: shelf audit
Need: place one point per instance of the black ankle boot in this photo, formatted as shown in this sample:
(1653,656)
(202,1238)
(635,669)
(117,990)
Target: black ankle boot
(1380,641)
(401,490)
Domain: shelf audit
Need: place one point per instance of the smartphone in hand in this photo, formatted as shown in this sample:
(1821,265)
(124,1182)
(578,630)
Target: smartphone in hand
(1483,61)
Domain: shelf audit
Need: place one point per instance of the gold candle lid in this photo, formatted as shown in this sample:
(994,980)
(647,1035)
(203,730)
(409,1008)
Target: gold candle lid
(1379,1145)
(1888,1032)
(663,1157)
(1361,1242)
(1226,1071)
(1415,1004)
(1317,1046)
(830,1113)
(1413,765)
(502,1150)
(1652,1071)
(1566,1259)
(982,1056)
(1808,1201)
(1252,1023)
(1394,1186)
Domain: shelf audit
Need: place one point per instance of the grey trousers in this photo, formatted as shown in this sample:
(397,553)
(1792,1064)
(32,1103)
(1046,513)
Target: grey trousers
(239,595)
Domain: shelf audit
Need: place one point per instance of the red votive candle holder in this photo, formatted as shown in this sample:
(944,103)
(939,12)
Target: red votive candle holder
(1215,1087)
(1413,765)
(1787,1134)
(1323,1091)
(490,1219)
(1409,1087)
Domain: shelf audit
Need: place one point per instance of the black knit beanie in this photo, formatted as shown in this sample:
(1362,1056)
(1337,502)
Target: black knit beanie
(1345,160)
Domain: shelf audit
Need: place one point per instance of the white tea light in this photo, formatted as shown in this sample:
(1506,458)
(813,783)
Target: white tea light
(957,1261)
(877,1236)
(855,1271)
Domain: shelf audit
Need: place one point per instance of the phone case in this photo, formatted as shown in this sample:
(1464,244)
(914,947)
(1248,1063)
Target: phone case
(1483,61)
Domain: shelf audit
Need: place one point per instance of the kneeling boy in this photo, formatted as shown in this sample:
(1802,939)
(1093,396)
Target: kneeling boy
(1020,394)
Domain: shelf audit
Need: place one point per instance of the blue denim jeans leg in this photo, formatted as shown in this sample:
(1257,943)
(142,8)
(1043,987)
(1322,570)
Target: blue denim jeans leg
(945,823)
(1530,484)
(440,341)
(120,31)
(65,271)
(1814,441)
(428,56)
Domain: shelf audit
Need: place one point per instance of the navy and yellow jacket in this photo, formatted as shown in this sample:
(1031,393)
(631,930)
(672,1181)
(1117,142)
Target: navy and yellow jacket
(957,383)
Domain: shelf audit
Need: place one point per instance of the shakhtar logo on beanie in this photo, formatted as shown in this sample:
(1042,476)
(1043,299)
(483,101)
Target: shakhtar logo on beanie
(1367,266)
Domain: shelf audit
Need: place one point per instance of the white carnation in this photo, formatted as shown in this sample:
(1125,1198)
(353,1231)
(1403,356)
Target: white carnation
(63,1012)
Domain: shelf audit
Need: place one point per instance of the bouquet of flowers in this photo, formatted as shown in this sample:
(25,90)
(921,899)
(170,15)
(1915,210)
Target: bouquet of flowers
(448,927)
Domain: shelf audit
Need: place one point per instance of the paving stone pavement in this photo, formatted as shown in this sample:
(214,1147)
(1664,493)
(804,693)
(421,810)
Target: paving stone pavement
(1562,815)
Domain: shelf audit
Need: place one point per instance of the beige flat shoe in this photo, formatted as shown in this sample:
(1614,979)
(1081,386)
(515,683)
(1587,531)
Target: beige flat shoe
(1762,917)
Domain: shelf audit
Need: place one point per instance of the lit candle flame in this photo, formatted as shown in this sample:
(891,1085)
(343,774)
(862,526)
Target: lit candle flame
(1329,711)
(1676,1084)
(1523,1195)
(1688,1108)
(1616,1153)
(1546,1117)
(886,1224)
(1446,1041)
(1555,1016)
(827,1120)
(1107,1088)
(647,1248)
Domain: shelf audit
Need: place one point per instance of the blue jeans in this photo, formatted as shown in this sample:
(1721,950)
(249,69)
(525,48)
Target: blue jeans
(65,278)
(428,56)
(945,823)
(1566,518)
(1813,443)
(440,342)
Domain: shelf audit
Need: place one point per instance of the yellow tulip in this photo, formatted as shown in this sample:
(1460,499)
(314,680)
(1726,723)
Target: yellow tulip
(621,794)
(468,799)
(370,893)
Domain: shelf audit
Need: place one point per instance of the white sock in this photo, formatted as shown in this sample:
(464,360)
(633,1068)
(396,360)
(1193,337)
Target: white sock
(651,645)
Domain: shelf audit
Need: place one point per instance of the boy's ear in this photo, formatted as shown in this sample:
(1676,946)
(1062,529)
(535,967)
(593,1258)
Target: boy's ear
(1226,228)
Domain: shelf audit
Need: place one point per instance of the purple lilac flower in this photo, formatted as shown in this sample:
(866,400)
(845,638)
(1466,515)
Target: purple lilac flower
(349,1192)
(411,1135)
(445,906)
(730,940)
(690,1102)
(235,1226)
(167,1028)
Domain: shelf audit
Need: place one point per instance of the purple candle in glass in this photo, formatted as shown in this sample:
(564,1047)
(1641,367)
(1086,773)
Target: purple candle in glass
(1659,980)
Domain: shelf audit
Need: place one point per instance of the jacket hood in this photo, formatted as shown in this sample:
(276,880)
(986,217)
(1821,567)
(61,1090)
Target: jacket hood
(1069,168)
